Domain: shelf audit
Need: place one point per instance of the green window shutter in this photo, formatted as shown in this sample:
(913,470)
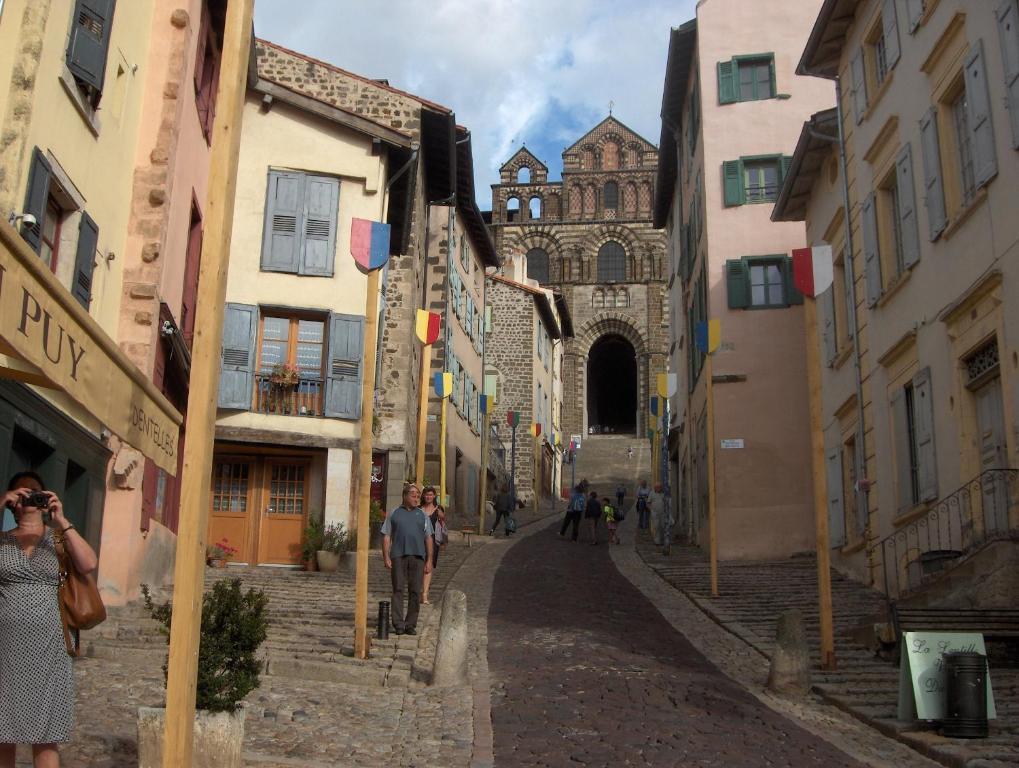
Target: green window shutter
(871,255)
(859,76)
(737,283)
(785,161)
(346,363)
(284,212)
(237,363)
(1008,31)
(923,419)
(978,109)
(771,70)
(826,310)
(914,12)
(836,504)
(792,294)
(318,236)
(732,183)
(908,227)
(934,187)
(727,82)
(36,198)
(890,30)
(85,259)
(90,41)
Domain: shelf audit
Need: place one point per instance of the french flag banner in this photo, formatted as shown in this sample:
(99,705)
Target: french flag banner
(813,270)
(369,243)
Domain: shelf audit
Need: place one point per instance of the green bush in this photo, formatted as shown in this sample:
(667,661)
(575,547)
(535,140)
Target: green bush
(335,538)
(313,536)
(234,625)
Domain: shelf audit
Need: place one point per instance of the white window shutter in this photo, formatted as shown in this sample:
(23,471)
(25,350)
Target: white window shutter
(978,103)
(859,76)
(900,436)
(871,254)
(923,419)
(934,187)
(890,24)
(836,504)
(1008,30)
(908,228)
(318,231)
(914,11)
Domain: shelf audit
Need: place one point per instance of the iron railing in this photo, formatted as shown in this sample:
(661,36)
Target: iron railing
(301,399)
(973,514)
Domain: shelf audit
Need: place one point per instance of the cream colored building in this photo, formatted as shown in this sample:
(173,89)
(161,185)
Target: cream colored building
(731,111)
(924,299)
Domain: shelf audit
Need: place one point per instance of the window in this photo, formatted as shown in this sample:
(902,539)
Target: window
(300,224)
(891,239)
(524,175)
(872,63)
(534,208)
(465,254)
(297,343)
(746,78)
(913,432)
(761,282)
(537,265)
(878,57)
(207,65)
(611,262)
(598,298)
(610,156)
(622,297)
(189,298)
(753,179)
(610,196)
(697,313)
(88,46)
(49,235)
(963,148)
(694,122)
(513,209)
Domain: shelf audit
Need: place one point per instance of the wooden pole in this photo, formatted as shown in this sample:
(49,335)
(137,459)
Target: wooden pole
(426,362)
(364,465)
(189,567)
(442,454)
(712,510)
(537,473)
(486,422)
(820,486)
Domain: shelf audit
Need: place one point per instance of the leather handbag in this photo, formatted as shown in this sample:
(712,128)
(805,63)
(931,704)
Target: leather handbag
(81,605)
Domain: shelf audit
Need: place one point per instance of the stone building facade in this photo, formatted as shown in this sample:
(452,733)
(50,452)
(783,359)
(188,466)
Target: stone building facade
(590,237)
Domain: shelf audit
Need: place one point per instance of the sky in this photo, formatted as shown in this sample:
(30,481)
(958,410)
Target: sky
(534,72)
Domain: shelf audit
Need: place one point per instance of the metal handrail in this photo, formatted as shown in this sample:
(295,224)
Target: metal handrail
(970,516)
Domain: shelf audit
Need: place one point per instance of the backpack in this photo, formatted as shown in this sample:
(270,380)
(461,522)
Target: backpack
(578,503)
(511,524)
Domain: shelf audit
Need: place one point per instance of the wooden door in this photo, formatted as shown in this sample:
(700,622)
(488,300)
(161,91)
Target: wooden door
(232,501)
(283,511)
(991,424)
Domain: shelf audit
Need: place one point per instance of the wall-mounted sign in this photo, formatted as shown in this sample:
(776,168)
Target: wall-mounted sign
(734,442)
(922,672)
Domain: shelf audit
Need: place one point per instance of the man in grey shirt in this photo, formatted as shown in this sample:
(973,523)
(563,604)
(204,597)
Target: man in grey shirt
(407,552)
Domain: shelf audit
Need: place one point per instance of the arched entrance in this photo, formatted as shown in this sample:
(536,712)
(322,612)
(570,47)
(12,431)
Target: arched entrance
(612,386)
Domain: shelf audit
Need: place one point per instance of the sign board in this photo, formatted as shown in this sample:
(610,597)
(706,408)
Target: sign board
(922,674)
(575,439)
(42,325)
(735,442)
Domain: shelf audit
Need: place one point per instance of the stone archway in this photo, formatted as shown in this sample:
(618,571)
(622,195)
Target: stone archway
(612,386)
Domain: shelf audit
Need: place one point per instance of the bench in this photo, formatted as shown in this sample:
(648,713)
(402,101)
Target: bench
(992,623)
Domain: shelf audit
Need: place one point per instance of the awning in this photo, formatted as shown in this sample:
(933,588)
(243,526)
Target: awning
(42,325)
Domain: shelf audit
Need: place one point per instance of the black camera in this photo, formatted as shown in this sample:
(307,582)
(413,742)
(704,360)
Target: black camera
(37,499)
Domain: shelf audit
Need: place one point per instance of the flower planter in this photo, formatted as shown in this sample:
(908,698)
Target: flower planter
(216,562)
(328,562)
(218,740)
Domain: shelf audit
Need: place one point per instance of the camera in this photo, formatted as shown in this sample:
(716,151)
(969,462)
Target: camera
(37,499)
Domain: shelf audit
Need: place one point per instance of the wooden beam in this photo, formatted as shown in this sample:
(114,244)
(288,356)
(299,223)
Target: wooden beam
(712,509)
(189,569)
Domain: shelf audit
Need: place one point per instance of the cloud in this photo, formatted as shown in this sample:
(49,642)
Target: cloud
(515,71)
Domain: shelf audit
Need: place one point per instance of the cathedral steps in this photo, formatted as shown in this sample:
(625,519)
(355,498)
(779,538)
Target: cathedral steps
(603,460)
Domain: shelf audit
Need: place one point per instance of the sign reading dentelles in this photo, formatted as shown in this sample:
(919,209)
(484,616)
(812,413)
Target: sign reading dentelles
(42,324)
(731,443)
(922,672)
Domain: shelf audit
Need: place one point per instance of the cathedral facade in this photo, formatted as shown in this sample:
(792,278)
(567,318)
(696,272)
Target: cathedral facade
(590,237)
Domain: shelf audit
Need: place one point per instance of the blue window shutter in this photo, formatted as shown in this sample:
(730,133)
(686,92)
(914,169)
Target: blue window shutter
(84,260)
(732,182)
(836,504)
(36,197)
(934,186)
(737,283)
(284,209)
(237,364)
(826,310)
(978,103)
(890,29)
(914,12)
(1008,31)
(727,82)
(901,454)
(90,41)
(346,364)
(871,254)
(907,207)
(859,76)
(321,206)
(923,419)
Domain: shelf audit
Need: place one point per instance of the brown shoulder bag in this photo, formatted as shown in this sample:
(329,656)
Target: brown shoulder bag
(81,606)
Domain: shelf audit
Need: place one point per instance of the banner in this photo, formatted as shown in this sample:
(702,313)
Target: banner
(813,270)
(708,336)
(443,383)
(427,326)
(369,243)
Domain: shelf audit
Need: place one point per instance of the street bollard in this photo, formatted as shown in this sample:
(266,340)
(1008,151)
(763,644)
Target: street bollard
(382,627)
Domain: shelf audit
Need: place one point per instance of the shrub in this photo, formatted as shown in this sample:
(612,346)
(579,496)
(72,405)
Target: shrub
(234,625)
(335,538)
(313,536)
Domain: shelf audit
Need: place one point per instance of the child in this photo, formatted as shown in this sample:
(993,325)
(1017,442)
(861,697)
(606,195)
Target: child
(610,521)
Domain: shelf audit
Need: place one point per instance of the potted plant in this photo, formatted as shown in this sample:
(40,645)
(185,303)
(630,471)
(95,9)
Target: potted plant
(376,516)
(312,543)
(234,625)
(334,544)
(283,377)
(219,554)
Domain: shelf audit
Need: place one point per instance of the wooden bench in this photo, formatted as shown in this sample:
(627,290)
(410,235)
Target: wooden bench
(992,623)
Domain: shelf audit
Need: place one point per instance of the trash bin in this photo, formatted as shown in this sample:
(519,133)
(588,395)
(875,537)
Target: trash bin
(965,695)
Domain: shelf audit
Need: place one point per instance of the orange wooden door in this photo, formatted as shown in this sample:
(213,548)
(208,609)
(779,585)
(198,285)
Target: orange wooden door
(284,511)
(231,504)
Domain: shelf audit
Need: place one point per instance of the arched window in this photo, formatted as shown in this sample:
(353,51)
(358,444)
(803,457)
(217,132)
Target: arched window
(622,297)
(537,265)
(611,262)
(610,156)
(513,209)
(611,195)
(632,156)
(598,298)
(524,175)
(587,160)
(534,207)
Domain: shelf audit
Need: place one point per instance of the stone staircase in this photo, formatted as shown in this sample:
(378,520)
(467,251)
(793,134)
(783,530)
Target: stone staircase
(603,460)
(752,594)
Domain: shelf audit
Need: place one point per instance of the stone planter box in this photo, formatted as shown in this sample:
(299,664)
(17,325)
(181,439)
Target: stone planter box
(328,562)
(218,740)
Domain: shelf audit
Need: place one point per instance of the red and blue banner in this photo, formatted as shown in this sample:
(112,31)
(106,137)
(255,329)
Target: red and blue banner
(369,243)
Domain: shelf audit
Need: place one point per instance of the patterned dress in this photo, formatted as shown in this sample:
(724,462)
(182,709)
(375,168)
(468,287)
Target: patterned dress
(36,678)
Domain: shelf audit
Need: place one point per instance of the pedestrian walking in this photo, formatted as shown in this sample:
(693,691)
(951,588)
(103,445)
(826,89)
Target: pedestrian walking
(629,452)
(642,504)
(611,521)
(620,495)
(592,512)
(36,679)
(574,510)
(504,503)
(437,514)
(407,553)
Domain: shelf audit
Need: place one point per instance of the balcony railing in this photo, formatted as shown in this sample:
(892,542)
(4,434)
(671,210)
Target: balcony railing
(953,527)
(301,399)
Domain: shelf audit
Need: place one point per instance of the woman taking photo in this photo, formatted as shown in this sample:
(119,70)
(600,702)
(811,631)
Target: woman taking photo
(437,515)
(36,679)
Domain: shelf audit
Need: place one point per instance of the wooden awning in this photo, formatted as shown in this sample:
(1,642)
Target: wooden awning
(41,324)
